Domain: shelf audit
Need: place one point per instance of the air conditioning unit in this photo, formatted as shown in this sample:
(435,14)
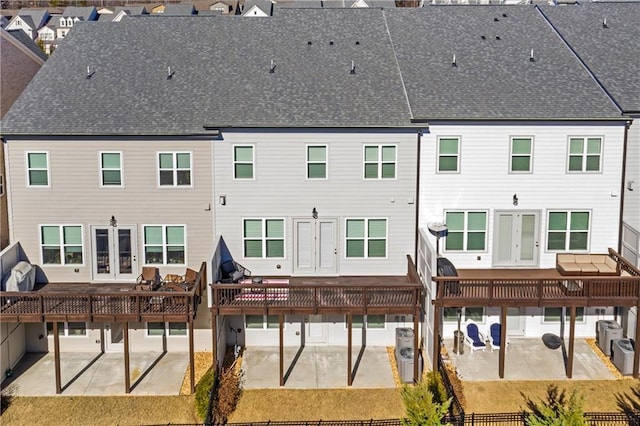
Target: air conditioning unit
(405,365)
(404,339)
(622,354)
(608,331)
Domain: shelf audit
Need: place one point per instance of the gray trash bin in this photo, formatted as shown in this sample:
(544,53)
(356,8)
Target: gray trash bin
(458,342)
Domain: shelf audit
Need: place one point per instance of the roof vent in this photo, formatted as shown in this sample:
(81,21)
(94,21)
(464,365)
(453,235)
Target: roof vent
(497,37)
(453,61)
(331,43)
(604,23)
(309,43)
(531,57)
(170,73)
(357,43)
(483,37)
(90,73)
(272,67)
(504,15)
(495,19)
(353,67)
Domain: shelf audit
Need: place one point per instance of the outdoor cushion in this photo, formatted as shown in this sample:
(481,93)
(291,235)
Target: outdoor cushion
(474,335)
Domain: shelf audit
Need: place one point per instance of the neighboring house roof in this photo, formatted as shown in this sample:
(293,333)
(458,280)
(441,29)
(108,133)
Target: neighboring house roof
(217,81)
(612,53)
(35,18)
(298,4)
(265,6)
(84,13)
(28,43)
(229,6)
(120,12)
(3,21)
(179,9)
(493,78)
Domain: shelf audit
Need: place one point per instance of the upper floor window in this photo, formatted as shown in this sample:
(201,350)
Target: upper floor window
(585,154)
(111,169)
(449,155)
(164,245)
(61,244)
(521,154)
(379,162)
(38,168)
(467,230)
(568,230)
(174,168)
(316,162)
(263,238)
(366,238)
(243,162)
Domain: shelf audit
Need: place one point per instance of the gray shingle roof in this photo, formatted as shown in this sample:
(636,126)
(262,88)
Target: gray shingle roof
(265,5)
(179,9)
(23,38)
(612,53)
(35,17)
(221,76)
(493,79)
(82,12)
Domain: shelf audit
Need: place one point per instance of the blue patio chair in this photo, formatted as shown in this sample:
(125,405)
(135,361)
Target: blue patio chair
(474,337)
(494,336)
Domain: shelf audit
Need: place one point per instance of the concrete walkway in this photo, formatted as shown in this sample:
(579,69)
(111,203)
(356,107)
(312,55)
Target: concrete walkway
(529,359)
(93,374)
(316,367)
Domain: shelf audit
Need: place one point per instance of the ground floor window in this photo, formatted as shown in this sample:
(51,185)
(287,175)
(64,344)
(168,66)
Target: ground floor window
(68,329)
(262,322)
(474,314)
(166,328)
(554,314)
(373,321)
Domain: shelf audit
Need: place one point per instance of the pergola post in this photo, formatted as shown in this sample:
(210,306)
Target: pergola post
(572,334)
(416,348)
(503,341)
(127,377)
(436,336)
(56,357)
(192,367)
(349,343)
(281,343)
(636,356)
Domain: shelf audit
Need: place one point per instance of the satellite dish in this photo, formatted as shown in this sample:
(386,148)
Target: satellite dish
(438,229)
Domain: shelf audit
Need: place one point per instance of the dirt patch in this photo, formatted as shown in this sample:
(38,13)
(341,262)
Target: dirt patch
(202,361)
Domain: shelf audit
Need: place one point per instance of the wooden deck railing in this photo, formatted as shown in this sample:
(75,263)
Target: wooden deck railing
(129,305)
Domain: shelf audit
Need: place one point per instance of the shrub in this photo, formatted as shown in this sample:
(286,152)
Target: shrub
(421,407)
(557,410)
(229,390)
(436,387)
(203,393)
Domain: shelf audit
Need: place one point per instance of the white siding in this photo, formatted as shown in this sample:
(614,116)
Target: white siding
(632,198)
(484,181)
(75,196)
(280,189)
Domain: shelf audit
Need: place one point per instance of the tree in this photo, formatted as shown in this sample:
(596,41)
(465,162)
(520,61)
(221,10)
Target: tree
(420,407)
(557,410)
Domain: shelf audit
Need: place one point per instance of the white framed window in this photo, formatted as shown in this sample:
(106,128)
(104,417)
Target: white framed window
(373,321)
(111,169)
(38,169)
(174,168)
(68,329)
(380,161)
(263,238)
(585,154)
(243,161)
(475,314)
(553,315)
(448,154)
(261,322)
(175,329)
(61,244)
(366,238)
(568,230)
(165,245)
(316,161)
(467,231)
(521,154)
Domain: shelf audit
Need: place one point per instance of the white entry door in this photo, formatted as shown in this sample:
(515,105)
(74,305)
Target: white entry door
(516,238)
(114,337)
(114,252)
(516,321)
(316,329)
(316,248)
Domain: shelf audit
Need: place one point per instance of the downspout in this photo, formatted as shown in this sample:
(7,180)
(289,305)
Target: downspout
(417,200)
(622,186)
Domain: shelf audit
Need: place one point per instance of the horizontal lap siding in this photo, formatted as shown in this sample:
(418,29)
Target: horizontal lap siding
(632,198)
(280,190)
(484,181)
(75,196)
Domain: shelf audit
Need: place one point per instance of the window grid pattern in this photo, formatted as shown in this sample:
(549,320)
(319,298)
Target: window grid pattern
(317,162)
(174,168)
(111,169)
(61,244)
(379,161)
(448,155)
(553,314)
(366,238)
(374,321)
(68,329)
(263,238)
(585,154)
(568,230)
(521,155)
(262,322)
(164,245)
(38,168)
(472,313)
(467,230)
(243,162)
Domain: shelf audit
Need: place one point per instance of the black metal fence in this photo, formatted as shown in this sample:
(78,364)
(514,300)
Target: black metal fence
(519,419)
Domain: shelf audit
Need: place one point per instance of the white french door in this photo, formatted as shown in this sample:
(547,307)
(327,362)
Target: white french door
(316,248)
(114,252)
(516,238)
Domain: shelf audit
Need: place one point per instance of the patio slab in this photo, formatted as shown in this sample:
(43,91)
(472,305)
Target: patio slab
(529,359)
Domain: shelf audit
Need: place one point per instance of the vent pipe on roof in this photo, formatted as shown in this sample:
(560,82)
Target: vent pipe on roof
(531,57)
(170,73)
(272,68)
(353,67)
(89,72)
(604,23)
(453,61)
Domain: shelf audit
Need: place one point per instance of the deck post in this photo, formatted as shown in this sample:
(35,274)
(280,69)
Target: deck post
(436,336)
(572,335)
(349,350)
(192,367)
(503,341)
(214,340)
(416,345)
(636,356)
(56,357)
(281,344)
(127,377)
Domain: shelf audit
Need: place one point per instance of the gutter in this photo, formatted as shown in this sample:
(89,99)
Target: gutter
(622,181)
